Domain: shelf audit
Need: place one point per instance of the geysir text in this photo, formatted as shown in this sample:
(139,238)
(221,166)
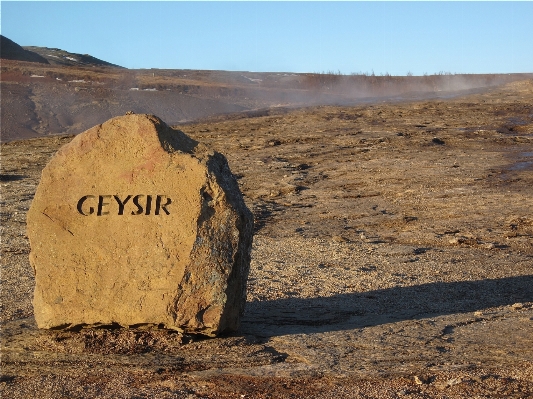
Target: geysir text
(130,205)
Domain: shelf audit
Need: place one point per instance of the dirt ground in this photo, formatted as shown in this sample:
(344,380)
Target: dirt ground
(392,258)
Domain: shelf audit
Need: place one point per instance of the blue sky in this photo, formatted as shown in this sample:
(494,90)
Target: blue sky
(350,37)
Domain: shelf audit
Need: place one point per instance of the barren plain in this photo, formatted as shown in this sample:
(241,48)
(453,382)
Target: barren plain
(392,257)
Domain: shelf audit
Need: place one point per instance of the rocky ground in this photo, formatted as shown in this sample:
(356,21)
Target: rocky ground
(393,257)
(43,99)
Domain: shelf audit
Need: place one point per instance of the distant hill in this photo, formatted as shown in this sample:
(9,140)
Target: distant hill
(12,51)
(56,56)
(63,92)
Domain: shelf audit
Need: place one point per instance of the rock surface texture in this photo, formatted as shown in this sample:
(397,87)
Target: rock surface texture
(135,223)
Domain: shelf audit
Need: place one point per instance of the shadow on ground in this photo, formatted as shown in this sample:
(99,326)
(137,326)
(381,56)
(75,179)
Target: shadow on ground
(373,308)
(6,177)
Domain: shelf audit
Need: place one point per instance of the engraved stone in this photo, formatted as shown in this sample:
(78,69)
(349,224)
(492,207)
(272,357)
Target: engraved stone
(135,223)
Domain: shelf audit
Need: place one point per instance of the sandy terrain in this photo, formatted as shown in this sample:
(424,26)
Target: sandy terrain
(393,257)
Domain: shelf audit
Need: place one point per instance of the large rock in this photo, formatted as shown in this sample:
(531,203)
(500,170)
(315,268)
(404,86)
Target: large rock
(135,223)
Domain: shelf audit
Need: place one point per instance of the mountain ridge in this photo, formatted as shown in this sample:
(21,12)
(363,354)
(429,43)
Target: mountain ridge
(11,50)
(56,56)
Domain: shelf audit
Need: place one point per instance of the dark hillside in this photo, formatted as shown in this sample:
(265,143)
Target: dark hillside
(56,56)
(12,51)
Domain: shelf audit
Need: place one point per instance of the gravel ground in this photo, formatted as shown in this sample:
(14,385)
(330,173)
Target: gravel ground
(393,257)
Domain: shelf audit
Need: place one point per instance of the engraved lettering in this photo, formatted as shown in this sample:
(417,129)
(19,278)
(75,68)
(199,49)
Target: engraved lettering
(80,205)
(157,204)
(164,206)
(139,206)
(101,204)
(121,203)
(148,204)
(154,205)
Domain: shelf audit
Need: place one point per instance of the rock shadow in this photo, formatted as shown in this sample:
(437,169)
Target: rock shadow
(367,309)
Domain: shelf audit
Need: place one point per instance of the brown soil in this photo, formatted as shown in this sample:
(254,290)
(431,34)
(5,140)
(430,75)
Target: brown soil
(41,99)
(393,257)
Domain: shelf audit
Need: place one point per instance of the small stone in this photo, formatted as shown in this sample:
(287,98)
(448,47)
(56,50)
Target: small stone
(135,223)
(441,386)
(457,240)
(447,384)
(423,380)
(338,238)
(454,381)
